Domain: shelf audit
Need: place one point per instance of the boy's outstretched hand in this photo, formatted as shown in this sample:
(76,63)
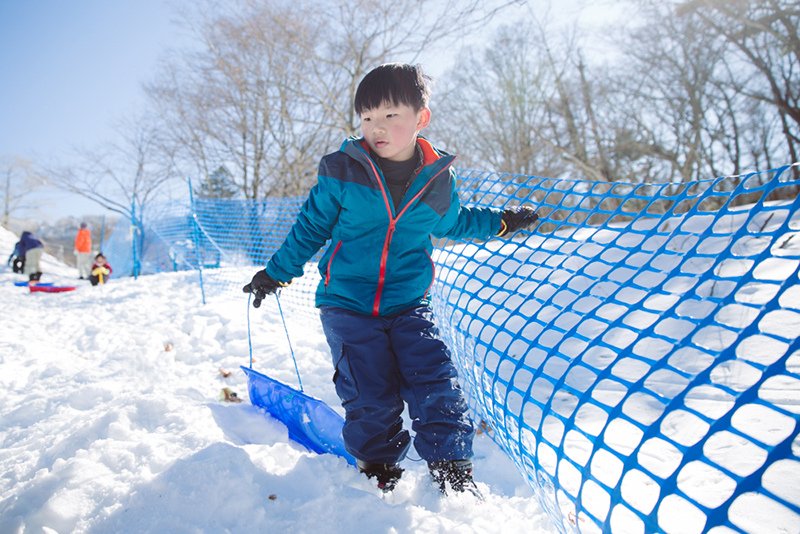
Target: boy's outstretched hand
(517,218)
(262,285)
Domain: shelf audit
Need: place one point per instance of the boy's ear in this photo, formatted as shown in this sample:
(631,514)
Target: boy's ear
(424,118)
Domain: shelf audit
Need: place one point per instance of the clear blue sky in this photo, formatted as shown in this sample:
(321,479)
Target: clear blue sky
(70,68)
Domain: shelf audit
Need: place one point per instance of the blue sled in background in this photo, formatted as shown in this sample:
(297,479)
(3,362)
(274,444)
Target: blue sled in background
(23,284)
(311,423)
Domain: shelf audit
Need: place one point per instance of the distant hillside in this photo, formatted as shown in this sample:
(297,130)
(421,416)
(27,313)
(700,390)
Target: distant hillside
(52,267)
(58,237)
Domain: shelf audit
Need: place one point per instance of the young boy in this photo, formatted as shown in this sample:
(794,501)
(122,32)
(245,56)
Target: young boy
(379,199)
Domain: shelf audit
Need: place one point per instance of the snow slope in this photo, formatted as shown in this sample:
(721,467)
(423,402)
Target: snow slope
(111,420)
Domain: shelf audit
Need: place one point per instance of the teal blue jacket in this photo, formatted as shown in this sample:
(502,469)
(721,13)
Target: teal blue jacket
(378,261)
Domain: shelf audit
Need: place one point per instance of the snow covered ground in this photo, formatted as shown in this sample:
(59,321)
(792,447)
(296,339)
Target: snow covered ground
(111,420)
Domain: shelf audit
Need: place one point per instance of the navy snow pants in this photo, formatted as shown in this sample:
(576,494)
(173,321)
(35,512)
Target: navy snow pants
(380,362)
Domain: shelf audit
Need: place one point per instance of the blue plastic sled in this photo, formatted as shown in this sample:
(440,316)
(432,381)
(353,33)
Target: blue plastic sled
(23,283)
(311,422)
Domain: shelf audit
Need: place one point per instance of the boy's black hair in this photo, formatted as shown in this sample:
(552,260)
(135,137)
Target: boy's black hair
(394,83)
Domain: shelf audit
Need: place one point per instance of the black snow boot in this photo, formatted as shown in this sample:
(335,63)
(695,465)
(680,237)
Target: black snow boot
(386,475)
(457,474)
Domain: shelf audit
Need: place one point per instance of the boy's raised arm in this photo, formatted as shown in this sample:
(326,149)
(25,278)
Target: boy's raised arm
(483,222)
(463,222)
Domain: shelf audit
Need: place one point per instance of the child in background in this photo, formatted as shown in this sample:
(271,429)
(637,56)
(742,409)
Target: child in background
(16,260)
(101,270)
(379,199)
(31,249)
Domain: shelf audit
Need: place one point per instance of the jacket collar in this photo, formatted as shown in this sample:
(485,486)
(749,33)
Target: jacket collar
(357,148)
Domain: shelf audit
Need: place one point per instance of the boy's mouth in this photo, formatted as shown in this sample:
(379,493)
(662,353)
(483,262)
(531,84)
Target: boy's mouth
(381,144)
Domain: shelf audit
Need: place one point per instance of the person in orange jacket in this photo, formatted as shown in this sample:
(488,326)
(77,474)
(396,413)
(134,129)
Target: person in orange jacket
(101,270)
(83,251)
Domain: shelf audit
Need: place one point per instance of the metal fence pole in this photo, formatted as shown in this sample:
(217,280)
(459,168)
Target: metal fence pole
(196,238)
(136,266)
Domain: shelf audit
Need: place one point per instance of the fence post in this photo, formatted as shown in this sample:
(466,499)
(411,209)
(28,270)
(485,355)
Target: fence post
(102,233)
(136,266)
(196,238)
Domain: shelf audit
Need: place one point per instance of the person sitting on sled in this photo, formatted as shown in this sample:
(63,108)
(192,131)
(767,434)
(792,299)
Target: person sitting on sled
(379,199)
(101,270)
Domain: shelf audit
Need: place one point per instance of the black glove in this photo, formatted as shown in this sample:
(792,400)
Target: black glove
(517,218)
(262,285)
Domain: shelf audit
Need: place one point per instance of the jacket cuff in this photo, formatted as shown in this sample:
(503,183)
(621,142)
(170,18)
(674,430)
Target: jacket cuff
(503,229)
(278,274)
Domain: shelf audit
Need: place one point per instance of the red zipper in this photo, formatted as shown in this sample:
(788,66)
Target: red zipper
(376,305)
(330,261)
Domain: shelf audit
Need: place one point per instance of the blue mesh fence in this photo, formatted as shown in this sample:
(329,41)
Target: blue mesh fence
(636,355)
(222,239)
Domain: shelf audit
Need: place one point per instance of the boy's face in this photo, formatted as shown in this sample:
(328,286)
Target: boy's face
(391,129)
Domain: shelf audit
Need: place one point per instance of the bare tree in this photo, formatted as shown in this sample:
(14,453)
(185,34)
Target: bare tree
(18,181)
(529,104)
(496,105)
(122,177)
(746,133)
(271,88)
(676,105)
(362,34)
(764,35)
(667,83)
(233,102)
